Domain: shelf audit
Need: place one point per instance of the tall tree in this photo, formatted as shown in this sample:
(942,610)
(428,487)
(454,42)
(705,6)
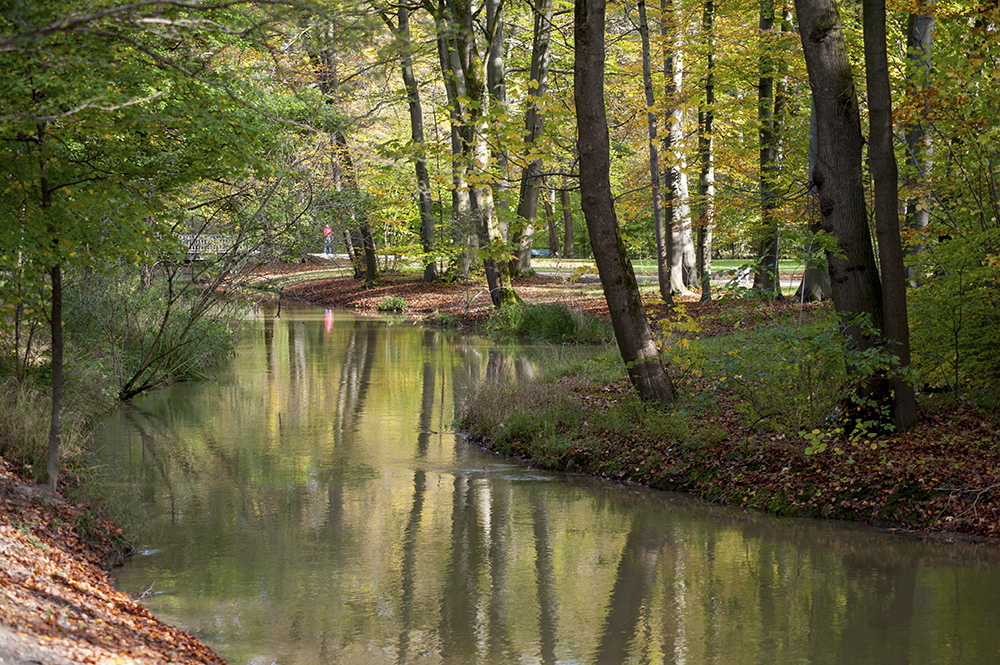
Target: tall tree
(770,105)
(882,159)
(534,125)
(461,70)
(706,156)
(632,330)
(837,174)
(675,205)
(341,162)
(919,151)
(425,202)
(662,260)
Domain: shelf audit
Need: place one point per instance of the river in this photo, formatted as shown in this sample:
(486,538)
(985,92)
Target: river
(314,505)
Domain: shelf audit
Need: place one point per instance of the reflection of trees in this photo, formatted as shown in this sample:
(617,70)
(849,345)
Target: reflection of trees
(355,374)
(409,556)
(878,607)
(408,565)
(548,605)
(636,572)
(461,594)
(731,587)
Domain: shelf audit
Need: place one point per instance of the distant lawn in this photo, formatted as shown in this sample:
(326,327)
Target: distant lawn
(648,266)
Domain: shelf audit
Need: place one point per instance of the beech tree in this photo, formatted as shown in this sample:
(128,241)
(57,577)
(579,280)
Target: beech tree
(662,259)
(632,330)
(706,156)
(857,289)
(425,202)
(534,125)
(882,160)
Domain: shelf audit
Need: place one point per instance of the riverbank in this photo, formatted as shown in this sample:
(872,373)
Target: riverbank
(59,605)
(941,479)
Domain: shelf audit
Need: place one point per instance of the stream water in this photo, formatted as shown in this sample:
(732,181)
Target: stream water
(312,505)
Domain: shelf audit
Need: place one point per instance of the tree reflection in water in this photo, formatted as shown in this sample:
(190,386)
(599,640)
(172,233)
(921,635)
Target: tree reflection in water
(312,505)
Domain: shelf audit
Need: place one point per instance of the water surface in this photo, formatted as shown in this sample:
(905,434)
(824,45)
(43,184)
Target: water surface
(312,505)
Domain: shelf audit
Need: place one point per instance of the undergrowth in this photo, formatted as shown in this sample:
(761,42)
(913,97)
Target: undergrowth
(552,322)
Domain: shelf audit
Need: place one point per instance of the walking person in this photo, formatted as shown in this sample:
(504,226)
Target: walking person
(327,240)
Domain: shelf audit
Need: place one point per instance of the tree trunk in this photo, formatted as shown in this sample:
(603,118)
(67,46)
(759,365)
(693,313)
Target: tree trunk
(815,284)
(919,151)
(857,291)
(534,124)
(496,84)
(675,210)
(353,254)
(425,202)
(550,220)
(884,172)
(706,157)
(342,165)
(632,330)
(766,271)
(662,260)
(55,423)
(567,212)
(472,209)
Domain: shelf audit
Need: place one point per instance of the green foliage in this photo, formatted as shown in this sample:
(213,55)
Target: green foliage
(553,322)
(146,334)
(392,304)
(954,315)
(789,377)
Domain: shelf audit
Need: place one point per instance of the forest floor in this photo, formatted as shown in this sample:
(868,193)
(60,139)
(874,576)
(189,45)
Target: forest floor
(940,480)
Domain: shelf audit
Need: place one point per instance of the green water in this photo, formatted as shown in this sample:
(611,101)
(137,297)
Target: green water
(312,506)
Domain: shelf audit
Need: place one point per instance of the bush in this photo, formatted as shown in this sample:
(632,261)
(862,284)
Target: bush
(391,304)
(554,322)
(146,336)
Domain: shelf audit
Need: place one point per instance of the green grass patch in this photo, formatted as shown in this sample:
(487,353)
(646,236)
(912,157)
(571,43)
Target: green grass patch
(391,304)
(555,323)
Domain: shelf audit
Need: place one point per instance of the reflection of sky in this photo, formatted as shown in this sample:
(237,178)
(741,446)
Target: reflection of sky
(312,506)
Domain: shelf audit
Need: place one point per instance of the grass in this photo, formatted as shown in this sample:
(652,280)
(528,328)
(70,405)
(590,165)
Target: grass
(552,322)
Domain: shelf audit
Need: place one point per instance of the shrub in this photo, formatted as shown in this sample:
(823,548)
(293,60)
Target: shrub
(552,322)
(391,304)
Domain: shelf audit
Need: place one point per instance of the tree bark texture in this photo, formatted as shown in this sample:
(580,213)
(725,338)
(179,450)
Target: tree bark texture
(837,174)
(815,284)
(632,330)
(882,160)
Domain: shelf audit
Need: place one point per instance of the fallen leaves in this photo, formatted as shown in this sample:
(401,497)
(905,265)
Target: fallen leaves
(56,603)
